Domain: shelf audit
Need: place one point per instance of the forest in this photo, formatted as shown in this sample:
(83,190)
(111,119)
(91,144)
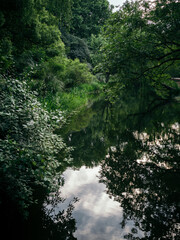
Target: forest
(57,56)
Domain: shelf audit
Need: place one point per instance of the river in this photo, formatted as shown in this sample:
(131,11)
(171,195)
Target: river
(123,181)
(125,171)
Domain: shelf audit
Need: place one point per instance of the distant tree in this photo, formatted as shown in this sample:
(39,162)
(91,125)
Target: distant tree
(62,10)
(88,16)
(76,47)
(26,28)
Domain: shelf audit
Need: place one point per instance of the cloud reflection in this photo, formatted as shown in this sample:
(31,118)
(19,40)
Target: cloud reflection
(97,215)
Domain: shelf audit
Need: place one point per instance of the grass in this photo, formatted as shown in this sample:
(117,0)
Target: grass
(74,98)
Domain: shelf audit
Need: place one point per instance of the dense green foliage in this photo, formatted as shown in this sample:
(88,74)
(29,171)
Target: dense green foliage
(58,74)
(88,16)
(27,26)
(142,44)
(76,47)
(31,45)
(30,151)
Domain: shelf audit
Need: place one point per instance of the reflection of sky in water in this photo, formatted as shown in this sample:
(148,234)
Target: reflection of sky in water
(97,216)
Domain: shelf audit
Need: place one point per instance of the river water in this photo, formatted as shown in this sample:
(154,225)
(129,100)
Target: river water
(123,181)
(125,171)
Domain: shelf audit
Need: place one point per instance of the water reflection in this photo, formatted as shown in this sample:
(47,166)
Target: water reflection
(139,143)
(97,216)
(47,223)
(43,222)
(148,193)
(141,171)
(125,173)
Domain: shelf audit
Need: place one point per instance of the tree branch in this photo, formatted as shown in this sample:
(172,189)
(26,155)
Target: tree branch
(168,54)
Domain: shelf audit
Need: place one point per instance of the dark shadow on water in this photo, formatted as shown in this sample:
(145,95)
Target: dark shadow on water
(42,223)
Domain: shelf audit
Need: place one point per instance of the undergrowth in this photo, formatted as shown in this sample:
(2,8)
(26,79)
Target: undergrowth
(74,98)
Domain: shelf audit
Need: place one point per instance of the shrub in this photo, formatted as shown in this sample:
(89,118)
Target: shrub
(30,152)
(77,73)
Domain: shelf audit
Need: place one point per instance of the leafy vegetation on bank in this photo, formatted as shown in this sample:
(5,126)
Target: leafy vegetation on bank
(30,151)
(74,98)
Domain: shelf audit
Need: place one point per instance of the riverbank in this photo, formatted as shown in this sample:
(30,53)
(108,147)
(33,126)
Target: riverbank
(73,99)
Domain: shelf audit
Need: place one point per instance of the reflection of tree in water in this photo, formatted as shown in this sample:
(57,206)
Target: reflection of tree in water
(89,139)
(142,172)
(147,190)
(55,224)
(94,130)
(45,221)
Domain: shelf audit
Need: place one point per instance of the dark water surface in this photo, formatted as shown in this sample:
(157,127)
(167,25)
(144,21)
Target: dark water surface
(126,171)
(124,179)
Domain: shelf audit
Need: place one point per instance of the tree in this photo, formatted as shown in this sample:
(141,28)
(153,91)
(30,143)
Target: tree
(88,16)
(142,43)
(76,47)
(61,9)
(28,30)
